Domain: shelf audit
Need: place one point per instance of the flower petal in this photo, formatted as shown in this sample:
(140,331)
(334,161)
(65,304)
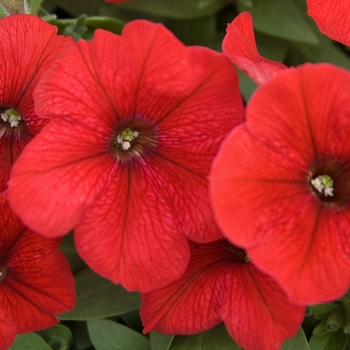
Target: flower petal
(332,17)
(58,170)
(253,196)
(141,246)
(183,189)
(219,285)
(8,332)
(192,303)
(37,281)
(28,46)
(191,133)
(256,312)
(152,73)
(311,256)
(296,106)
(239,45)
(12,143)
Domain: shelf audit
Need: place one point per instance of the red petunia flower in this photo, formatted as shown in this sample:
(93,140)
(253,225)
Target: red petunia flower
(220,285)
(35,279)
(332,17)
(283,180)
(28,46)
(138,121)
(240,47)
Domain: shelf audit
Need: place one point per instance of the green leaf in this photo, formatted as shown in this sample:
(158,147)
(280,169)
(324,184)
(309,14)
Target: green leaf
(68,248)
(198,31)
(325,51)
(107,335)
(59,337)
(81,335)
(108,23)
(29,341)
(281,19)
(76,7)
(271,47)
(329,341)
(299,342)
(346,308)
(180,9)
(214,339)
(98,298)
(321,310)
(132,320)
(160,341)
(246,85)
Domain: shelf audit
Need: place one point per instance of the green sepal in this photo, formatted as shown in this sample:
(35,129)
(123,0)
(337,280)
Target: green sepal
(58,337)
(329,341)
(319,311)
(321,328)
(34,6)
(3,11)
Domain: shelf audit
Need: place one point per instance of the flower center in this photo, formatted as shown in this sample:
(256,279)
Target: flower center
(235,254)
(2,272)
(132,140)
(12,117)
(323,184)
(124,139)
(329,181)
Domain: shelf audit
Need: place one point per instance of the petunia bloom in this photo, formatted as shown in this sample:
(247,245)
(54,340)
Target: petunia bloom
(240,47)
(283,180)
(138,119)
(28,46)
(221,285)
(35,279)
(332,17)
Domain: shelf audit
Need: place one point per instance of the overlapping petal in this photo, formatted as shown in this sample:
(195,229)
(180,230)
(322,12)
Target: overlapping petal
(28,47)
(239,45)
(36,281)
(56,171)
(332,17)
(247,171)
(135,210)
(297,106)
(7,332)
(140,251)
(296,129)
(219,285)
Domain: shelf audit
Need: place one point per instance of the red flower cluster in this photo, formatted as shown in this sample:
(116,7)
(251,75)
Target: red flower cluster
(289,187)
(289,190)
(133,123)
(220,284)
(136,121)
